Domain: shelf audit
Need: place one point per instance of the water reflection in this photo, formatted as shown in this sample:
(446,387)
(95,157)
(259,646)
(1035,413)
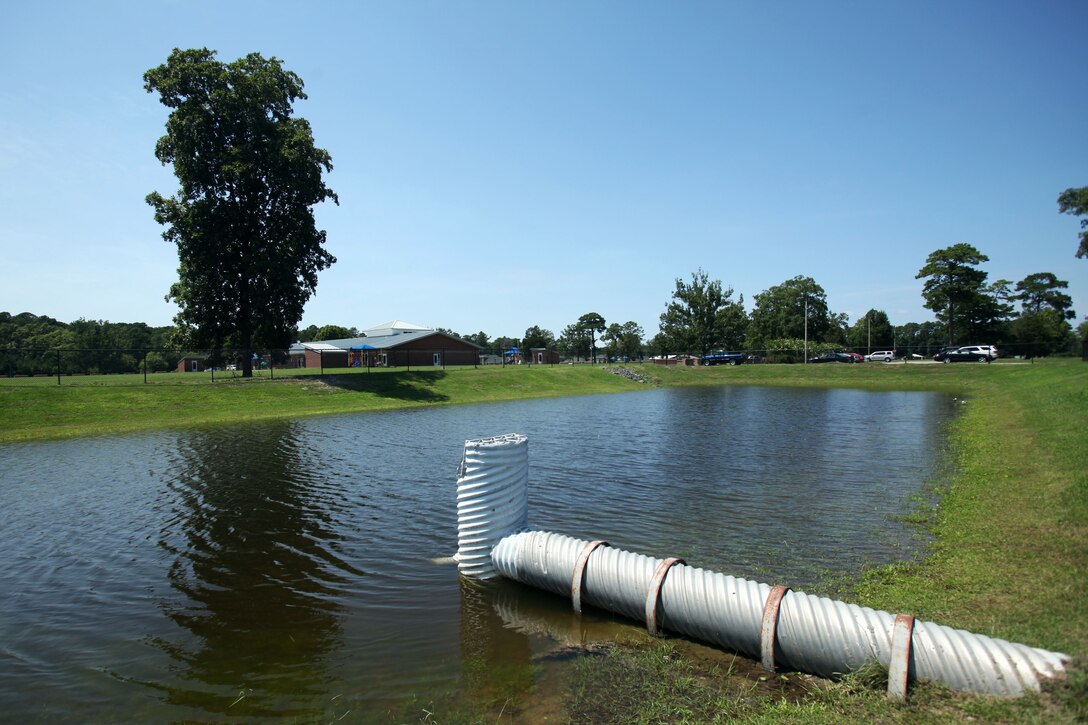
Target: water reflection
(256,565)
(255,571)
(497,660)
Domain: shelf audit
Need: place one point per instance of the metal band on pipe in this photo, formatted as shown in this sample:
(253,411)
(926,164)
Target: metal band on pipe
(579,573)
(653,593)
(770,625)
(899,662)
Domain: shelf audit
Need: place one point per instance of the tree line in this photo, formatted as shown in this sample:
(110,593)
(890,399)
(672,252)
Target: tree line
(1030,317)
(92,346)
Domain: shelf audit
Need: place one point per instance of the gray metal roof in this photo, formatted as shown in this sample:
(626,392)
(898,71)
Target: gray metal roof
(386,342)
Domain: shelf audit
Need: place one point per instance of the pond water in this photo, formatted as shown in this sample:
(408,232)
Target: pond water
(287,569)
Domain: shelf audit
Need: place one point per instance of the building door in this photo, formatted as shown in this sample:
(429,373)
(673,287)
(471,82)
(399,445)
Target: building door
(196,366)
(437,359)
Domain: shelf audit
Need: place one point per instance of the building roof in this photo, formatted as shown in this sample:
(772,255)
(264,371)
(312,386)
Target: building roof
(394,327)
(377,342)
(380,337)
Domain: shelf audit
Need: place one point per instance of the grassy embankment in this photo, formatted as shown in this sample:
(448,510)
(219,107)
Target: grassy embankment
(39,409)
(1009,559)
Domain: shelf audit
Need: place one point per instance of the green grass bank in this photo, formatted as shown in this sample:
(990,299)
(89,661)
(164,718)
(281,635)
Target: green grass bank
(1010,536)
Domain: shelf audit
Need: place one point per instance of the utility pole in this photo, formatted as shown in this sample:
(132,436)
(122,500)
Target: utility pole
(806,330)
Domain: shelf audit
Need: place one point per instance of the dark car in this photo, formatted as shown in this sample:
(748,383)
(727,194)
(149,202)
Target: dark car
(833,357)
(943,353)
(722,358)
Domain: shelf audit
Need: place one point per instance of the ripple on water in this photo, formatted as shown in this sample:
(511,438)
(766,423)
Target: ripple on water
(262,570)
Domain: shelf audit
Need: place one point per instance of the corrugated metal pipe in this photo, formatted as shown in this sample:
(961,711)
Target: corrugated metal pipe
(784,628)
(492,499)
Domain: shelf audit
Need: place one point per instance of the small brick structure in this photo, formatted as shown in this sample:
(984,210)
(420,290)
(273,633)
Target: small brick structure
(192,364)
(543,356)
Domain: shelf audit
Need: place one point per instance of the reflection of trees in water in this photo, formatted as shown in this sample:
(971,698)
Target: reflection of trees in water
(255,560)
(497,660)
(516,646)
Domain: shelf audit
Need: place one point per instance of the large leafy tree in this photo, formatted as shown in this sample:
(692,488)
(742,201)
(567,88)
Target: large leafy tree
(537,336)
(921,338)
(335,332)
(872,329)
(1041,333)
(573,342)
(242,219)
(624,340)
(1040,291)
(780,313)
(479,338)
(955,289)
(591,324)
(1075,202)
(702,316)
(1043,325)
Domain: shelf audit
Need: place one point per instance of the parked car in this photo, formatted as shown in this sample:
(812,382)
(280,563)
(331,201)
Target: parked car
(723,358)
(971,353)
(857,356)
(881,356)
(833,357)
(939,357)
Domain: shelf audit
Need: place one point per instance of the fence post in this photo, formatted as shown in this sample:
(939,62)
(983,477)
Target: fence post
(58,367)
(145,365)
(271,367)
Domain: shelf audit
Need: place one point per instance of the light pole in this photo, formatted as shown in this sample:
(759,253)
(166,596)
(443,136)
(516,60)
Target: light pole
(806,330)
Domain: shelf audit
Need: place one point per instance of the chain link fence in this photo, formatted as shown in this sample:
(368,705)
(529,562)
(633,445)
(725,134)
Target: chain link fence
(149,366)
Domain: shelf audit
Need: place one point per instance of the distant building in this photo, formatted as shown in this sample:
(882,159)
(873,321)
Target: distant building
(543,356)
(392,344)
(317,355)
(192,364)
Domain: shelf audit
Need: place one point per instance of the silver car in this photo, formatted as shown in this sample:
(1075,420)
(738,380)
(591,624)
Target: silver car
(881,356)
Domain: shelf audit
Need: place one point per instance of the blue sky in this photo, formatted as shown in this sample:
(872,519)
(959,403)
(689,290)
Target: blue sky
(507,164)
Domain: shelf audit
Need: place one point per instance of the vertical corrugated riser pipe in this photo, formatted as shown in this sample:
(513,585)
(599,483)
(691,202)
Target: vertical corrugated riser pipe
(492,499)
(814,634)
